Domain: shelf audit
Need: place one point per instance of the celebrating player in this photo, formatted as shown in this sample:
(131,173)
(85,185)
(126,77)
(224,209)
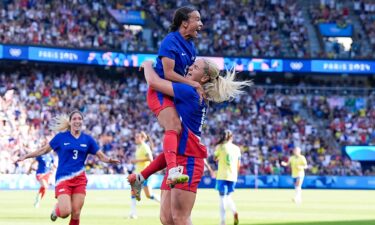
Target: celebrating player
(177,203)
(72,147)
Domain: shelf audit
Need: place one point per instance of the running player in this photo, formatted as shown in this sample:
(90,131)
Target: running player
(143,157)
(298,165)
(44,170)
(228,156)
(72,147)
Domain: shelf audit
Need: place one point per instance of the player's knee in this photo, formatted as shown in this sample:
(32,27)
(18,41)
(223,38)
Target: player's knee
(173,124)
(166,220)
(65,212)
(179,219)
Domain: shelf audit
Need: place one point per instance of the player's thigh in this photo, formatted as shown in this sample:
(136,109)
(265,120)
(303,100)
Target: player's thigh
(64,202)
(165,207)
(169,119)
(182,202)
(77,203)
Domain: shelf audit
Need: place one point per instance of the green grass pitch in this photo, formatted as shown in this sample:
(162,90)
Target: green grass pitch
(319,207)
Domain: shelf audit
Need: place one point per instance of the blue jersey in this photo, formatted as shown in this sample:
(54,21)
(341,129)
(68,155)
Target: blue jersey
(72,153)
(192,114)
(45,163)
(175,47)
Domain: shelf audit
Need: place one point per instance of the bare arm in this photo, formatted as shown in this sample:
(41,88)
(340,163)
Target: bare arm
(157,83)
(102,157)
(170,74)
(212,173)
(43,150)
(284,163)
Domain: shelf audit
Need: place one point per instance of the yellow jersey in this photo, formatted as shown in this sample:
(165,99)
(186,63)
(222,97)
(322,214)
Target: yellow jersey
(143,151)
(295,162)
(228,156)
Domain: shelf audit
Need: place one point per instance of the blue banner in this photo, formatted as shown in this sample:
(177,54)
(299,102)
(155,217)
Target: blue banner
(119,59)
(57,55)
(360,152)
(297,66)
(128,16)
(334,30)
(254,64)
(341,66)
(15,52)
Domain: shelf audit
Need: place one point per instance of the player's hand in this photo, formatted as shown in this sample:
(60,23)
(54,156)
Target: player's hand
(113,161)
(146,64)
(21,158)
(284,163)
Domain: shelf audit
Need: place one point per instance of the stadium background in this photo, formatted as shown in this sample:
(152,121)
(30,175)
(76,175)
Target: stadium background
(313,64)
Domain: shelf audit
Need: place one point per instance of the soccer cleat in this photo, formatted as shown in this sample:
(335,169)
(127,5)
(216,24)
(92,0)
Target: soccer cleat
(53,216)
(235,221)
(133,216)
(175,176)
(135,181)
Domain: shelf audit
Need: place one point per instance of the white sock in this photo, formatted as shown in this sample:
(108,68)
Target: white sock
(222,208)
(298,195)
(231,204)
(133,210)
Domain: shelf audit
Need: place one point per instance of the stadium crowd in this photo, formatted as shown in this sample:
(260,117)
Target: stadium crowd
(267,124)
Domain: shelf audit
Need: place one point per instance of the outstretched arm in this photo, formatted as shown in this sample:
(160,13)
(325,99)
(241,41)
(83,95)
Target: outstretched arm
(102,157)
(43,150)
(155,82)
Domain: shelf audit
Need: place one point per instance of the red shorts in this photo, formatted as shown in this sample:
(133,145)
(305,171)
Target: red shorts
(157,101)
(75,185)
(43,176)
(193,167)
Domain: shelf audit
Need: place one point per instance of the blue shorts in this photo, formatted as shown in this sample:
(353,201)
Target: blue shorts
(225,187)
(145,183)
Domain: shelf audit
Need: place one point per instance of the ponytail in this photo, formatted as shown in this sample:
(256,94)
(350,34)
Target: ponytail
(147,138)
(220,89)
(60,123)
(226,135)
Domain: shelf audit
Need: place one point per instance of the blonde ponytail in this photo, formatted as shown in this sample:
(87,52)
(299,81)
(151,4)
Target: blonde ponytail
(220,89)
(60,123)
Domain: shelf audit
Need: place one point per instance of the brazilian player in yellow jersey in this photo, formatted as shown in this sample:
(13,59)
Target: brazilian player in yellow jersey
(228,156)
(143,157)
(298,164)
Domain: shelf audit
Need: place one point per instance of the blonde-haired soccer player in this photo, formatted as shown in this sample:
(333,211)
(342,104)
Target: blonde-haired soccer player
(143,157)
(298,165)
(228,156)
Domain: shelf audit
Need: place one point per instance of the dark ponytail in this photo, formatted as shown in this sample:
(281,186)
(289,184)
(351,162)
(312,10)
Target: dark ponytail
(180,15)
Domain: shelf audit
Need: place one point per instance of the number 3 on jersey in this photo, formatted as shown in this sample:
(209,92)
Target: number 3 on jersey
(75,154)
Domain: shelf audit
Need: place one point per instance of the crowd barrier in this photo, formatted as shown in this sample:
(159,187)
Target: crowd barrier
(27,182)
